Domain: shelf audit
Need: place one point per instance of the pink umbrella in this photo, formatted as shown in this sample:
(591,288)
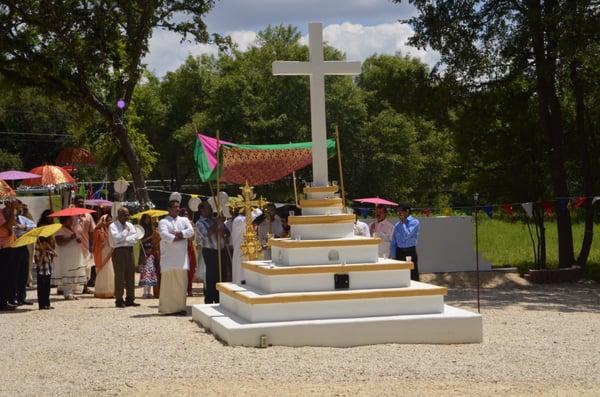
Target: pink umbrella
(376,201)
(14,175)
(98,203)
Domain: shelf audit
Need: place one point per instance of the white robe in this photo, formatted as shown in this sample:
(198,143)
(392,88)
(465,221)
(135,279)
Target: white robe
(238,226)
(174,254)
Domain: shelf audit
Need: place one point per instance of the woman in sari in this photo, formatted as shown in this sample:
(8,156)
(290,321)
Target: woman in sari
(69,267)
(105,274)
(148,259)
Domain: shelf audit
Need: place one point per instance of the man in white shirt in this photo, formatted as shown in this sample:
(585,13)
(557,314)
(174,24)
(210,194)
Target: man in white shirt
(383,229)
(174,231)
(121,237)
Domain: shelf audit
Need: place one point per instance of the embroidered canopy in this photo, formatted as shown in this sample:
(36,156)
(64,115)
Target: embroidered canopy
(256,164)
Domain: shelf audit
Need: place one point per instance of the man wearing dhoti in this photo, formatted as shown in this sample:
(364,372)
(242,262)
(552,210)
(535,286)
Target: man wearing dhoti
(174,231)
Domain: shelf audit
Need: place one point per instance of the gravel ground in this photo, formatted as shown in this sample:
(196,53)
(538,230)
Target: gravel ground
(538,340)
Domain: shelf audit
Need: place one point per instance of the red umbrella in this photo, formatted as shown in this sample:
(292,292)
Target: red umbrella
(376,201)
(71,211)
(49,175)
(74,155)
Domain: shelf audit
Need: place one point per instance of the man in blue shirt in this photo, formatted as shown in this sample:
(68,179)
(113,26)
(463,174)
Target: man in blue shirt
(404,239)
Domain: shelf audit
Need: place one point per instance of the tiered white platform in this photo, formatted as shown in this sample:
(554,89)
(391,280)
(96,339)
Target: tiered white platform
(326,287)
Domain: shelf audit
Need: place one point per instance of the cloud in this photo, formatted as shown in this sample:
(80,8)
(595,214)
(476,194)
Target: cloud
(358,42)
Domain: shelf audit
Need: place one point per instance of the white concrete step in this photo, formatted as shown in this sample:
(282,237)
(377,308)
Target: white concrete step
(255,305)
(451,326)
(321,192)
(307,227)
(355,249)
(267,276)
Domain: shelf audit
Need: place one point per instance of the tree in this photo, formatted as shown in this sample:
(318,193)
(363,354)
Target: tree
(483,42)
(90,53)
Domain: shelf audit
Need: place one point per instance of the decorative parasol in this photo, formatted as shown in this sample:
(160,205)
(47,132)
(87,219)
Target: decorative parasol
(376,201)
(50,175)
(31,236)
(73,155)
(5,190)
(71,211)
(98,203)
(152,213)
(14,175)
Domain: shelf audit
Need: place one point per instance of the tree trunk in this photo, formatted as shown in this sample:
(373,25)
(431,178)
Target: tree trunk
(132,160)
(551,123)
(586,165)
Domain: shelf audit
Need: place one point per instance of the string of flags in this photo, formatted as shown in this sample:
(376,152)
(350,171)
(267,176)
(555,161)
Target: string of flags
(549,207)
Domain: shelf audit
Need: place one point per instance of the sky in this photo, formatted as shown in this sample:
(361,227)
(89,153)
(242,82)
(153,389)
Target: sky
(359,28)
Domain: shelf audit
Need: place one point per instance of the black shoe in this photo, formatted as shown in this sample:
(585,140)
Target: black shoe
(26,303)
(46,308)
(14,302)
(8,308)
(120,304)
(133,304)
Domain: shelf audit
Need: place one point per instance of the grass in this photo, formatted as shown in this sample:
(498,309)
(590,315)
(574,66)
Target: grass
(508,244)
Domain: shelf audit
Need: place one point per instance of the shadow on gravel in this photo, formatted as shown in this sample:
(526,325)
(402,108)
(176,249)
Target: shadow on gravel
(561,297)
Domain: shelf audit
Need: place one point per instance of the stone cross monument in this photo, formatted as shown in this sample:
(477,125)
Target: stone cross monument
(317,68)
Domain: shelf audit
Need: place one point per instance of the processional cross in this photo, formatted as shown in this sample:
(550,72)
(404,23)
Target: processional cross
(250,247)
(317,68)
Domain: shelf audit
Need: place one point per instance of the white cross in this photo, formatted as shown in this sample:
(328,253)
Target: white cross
(317,68)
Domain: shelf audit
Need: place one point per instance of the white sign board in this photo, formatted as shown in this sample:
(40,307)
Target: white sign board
(446,245)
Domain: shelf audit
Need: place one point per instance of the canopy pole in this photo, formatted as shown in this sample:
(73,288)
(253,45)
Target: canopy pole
(339,157)
(295,187)
(218,203)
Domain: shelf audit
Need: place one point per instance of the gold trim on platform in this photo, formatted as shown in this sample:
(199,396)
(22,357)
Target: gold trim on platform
(321,219)
(330,202)
(262,268)
(320,189)
(253,298)
(349,242)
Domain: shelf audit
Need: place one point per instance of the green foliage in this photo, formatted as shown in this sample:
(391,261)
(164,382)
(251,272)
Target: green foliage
(508,243)
(89,53)
(10,161)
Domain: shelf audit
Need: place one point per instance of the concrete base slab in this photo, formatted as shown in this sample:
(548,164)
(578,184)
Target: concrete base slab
(452,326)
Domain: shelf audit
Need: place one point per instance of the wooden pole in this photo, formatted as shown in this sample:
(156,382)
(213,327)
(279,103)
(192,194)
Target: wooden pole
(477,248)
(339,157)
(218,203)
(295,187)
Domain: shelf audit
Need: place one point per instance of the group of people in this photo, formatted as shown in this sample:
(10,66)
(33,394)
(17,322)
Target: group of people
(101,254)
(399,240)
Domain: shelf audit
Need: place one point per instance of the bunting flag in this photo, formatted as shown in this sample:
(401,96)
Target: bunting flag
(426,211)
(528,208)
(82,191)
(548,207)
(364,212)
(469,211)
(488,209)
(508,208)
(563,204)
(579,202)
(447,211)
